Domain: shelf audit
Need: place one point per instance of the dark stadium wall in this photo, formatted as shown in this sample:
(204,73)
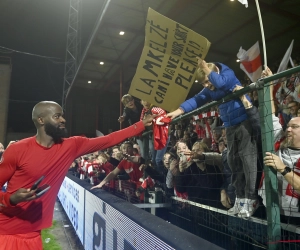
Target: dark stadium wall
(89,110)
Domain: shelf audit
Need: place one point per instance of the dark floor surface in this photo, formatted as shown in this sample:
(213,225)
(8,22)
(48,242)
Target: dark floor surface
(64,232)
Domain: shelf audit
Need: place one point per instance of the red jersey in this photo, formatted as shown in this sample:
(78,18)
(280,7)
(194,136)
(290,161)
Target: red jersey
(132,169)
(107,167)
(24,162)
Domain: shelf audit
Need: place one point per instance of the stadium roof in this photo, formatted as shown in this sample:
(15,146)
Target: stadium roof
(226,24)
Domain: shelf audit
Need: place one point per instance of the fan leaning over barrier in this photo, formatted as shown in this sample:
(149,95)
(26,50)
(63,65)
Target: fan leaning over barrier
(218,81)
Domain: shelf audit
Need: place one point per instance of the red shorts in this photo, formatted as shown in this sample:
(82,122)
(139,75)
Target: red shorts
(27,241)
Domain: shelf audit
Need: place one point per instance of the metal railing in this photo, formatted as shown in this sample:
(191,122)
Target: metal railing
(275,230)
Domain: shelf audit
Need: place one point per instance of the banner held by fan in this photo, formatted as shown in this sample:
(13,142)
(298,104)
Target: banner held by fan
(167,67)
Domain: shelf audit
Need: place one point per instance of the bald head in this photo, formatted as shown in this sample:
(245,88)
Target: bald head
(42,109)
(293,132)
(295,120)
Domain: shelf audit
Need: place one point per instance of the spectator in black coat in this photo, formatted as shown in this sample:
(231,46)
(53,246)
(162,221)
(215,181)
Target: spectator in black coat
(200,174)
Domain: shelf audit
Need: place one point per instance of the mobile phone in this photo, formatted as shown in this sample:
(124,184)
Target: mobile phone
(37,183)
(41,190)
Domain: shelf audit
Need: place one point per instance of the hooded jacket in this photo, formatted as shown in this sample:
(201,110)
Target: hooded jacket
(231,112)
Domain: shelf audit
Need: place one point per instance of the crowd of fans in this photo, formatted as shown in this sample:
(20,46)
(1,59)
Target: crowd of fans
(187,159)
(214,158)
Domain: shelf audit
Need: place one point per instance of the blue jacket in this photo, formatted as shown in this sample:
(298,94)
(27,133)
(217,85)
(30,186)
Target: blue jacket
(231,112)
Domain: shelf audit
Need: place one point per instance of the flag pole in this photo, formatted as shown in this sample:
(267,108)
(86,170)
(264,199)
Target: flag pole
(262,33)
(274,229)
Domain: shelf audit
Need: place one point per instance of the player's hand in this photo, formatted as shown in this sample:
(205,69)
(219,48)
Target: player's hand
(22,195)
(100,185)
(148,119)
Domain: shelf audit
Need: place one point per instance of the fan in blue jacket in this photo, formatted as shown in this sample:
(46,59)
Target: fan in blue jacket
(218,81)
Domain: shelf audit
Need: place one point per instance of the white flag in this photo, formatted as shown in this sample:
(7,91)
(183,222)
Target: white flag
(245,2)
(283,66)
(99,133)
(291,62)
(285,60)
(251,62)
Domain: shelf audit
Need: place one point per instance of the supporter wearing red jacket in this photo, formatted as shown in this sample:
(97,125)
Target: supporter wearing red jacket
(160,132)
(132,169)
(105,167)
(48,154)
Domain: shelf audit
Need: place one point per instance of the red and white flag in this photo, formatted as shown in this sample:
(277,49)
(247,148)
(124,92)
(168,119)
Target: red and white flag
(251,62)
(205,115)
(245,2)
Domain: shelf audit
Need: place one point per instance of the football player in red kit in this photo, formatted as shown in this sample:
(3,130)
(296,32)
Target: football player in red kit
(22,214)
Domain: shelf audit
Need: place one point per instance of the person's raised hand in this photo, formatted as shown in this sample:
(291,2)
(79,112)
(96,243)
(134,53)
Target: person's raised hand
(121,119)
(201,63)
(267,72)
(183,163)
(175,113)
(22,195)
(174,166)
(197,155)
(127,157)
(142,167)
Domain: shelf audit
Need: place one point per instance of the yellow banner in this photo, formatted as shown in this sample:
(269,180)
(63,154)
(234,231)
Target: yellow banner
(166,70)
